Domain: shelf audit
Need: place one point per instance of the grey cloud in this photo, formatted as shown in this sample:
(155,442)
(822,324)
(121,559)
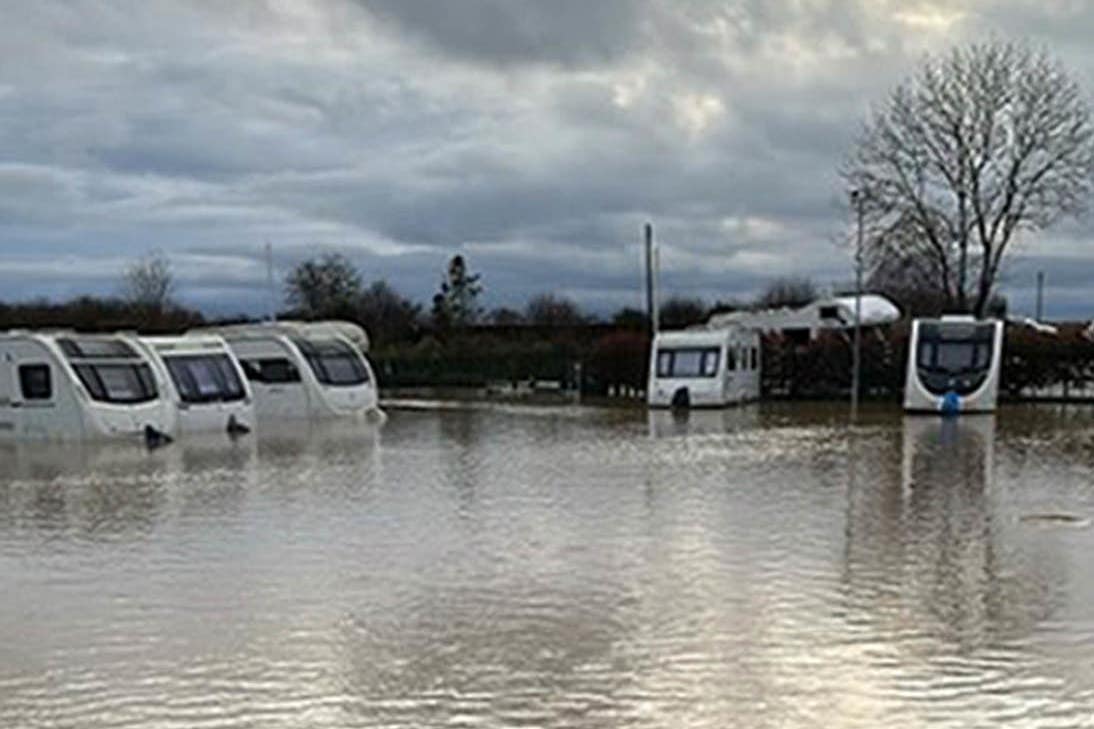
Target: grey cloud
(503,32)
(537,137)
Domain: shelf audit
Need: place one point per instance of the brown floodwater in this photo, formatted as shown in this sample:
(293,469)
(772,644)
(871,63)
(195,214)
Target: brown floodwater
(559,567)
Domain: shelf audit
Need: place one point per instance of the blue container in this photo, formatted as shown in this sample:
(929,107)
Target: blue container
(951,403)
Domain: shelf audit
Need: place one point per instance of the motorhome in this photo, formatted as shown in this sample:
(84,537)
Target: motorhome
(805,323)
(954,365)
(704,368)
(304,370)
(204,382)
(62,385)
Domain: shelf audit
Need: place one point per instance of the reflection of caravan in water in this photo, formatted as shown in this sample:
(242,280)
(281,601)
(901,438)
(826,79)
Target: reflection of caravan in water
(948,456)
(704,368)
(64,385)
(204,382)
(304,370)
(664,423)
(953,365)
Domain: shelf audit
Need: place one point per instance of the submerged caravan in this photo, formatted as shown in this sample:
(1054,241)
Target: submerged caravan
(704,368)
(203,381)
(954,365)
(72,386)
(66,385)
(305,369)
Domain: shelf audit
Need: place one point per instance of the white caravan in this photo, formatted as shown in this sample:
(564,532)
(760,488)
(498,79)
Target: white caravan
(61,385)
(204,382)
(301,370)
(954,365)
(704,368)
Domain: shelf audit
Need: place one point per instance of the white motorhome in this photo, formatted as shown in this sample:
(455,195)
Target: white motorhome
(204,382)
(704,368)
(805,323)
(62,385)
(954,365)
(304,370)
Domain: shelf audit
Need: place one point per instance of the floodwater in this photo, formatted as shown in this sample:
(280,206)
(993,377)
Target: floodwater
(507,567)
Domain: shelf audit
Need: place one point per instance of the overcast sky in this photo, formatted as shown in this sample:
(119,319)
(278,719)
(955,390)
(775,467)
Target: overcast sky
(535,137)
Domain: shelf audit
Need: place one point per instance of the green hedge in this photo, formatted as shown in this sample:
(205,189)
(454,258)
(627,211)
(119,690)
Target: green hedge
(820,368)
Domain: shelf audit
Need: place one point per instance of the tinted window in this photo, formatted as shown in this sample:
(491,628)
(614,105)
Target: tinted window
(664,363)
(36,382)
(755,357)
(334,362)
(710,363)
(270,371)
(925,354)
(687,362)
(205,378)
(95,349)
(118,383)
(955,356)
(230,375)
(955,348)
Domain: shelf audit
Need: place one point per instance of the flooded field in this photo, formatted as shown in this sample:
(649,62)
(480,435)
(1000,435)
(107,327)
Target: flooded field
(504,567)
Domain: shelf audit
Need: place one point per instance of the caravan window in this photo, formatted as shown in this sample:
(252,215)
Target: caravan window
(664,362)
(955,348)
(333,362)
(687,362)
(36,382)
(270,371)
(96,349)
(118,383)
(710,363)
(205,378)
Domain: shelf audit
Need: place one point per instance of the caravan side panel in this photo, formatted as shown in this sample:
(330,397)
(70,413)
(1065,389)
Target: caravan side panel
(276,375)
(37,399)
(7,412)
(704,368)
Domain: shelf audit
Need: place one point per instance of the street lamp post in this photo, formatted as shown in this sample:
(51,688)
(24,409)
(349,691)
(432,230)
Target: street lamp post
(856,361)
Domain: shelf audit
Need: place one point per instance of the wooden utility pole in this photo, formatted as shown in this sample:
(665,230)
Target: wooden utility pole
(649,280)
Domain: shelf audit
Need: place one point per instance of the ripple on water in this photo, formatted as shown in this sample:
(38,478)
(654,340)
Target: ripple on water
(554,568)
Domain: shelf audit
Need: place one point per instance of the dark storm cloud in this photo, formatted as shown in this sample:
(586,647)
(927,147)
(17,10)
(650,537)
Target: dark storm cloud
(567,32)
(536,137)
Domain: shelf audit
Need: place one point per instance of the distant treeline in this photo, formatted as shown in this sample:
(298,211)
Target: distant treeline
(91,314)
(551,338)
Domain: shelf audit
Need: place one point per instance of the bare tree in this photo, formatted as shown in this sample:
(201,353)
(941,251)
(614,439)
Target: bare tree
(148,282)
(979,145)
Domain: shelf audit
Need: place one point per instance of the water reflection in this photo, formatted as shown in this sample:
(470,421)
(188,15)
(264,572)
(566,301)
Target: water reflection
(677,423)
(924,538)
(555,568)
(933,582)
